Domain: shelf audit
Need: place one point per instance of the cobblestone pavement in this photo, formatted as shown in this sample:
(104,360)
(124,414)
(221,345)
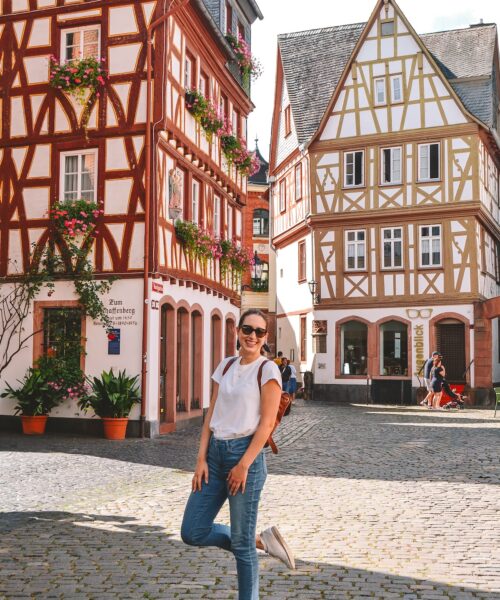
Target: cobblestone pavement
(377,502)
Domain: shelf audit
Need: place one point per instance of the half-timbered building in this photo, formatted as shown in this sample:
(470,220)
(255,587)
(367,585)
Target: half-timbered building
(385,157)
(137,150)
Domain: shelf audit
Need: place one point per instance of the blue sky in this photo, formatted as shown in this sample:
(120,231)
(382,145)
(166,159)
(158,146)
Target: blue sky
(283,16)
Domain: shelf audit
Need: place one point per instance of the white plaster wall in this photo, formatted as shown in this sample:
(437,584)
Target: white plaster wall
(291,295)
(126,291)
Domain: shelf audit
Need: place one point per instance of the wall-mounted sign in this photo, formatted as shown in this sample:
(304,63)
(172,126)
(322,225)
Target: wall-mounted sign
(157,286)
(418,344)
(175,193)
(114,341)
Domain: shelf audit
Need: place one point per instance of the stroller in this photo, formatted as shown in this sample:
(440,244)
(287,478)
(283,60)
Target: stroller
(453,398)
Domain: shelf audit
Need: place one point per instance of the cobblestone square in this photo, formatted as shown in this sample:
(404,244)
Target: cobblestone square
(377,502)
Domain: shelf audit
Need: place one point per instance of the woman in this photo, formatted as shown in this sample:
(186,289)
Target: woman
(292,384)
(231,465)
(438,373)
(286,373)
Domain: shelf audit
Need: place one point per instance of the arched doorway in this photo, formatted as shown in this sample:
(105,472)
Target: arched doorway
(450,342)
(167,365)
(230,349)
(197,360)
(183,356)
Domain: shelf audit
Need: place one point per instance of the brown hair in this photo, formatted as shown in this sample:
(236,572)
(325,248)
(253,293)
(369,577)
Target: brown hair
(251,311)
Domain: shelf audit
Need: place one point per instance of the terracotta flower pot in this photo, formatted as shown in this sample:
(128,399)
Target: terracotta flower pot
(115,429)
(34,425)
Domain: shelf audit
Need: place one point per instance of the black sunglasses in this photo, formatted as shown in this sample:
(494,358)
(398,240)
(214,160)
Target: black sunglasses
(248,330)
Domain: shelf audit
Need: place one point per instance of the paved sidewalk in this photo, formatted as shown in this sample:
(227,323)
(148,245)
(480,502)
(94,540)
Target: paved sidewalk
(378,502)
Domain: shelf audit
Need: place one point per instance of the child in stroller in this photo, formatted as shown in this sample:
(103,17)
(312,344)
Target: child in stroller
(457,400)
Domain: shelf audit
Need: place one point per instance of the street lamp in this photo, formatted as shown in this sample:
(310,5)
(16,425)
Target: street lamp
(312,288)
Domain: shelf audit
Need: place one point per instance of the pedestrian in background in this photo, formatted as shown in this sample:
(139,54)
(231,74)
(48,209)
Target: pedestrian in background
(231,464)
(286,373)
(429,363)
(438,373)
(279,358)
(292,384)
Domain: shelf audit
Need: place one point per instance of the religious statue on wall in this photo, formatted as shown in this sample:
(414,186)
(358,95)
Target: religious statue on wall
(176,193)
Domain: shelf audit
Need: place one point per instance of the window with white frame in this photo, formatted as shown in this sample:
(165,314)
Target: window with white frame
(354,168)
(430,245)
(82,42)
(392,250)
(79,175)
(391,165)
(428,162)
(396,88)
(195,202)
(217,216)
(189,71)
(355,250)
(380,91)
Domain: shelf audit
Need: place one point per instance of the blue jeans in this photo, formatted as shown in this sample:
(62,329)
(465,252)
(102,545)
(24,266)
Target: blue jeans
(198,527)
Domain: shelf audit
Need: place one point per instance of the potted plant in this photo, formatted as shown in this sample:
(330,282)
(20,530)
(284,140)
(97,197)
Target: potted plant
(112,397)
(35,399)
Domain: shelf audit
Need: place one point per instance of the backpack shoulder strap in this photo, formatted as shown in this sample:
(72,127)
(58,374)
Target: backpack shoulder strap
(259,374)
(229,364)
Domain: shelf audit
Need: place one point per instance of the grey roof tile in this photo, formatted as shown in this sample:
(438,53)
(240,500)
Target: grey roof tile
(313,62)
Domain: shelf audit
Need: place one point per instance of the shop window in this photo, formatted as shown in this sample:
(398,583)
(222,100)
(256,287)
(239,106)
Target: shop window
(353,348)
(83,42)
(260,222)
(62,334)
(393,348)
(79,175)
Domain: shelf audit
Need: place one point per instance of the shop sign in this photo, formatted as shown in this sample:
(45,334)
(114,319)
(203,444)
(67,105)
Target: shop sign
(157,286)
(418,345)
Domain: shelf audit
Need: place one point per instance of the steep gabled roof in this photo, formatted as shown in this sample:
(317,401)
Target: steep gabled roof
(313,62)
(260,178)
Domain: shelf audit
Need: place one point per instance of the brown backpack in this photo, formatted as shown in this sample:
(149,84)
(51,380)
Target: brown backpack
(285,402)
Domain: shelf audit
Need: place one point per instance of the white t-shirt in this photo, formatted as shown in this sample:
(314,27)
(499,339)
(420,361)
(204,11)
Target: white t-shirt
(237,408)
(294,372)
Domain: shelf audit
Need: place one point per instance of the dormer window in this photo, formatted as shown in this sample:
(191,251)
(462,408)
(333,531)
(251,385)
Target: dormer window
(387,28)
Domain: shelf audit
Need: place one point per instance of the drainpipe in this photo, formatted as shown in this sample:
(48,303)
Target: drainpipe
(173,8)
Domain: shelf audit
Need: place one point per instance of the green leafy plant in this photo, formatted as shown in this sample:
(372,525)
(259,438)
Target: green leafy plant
(112,395)
(205,113)
(34,396)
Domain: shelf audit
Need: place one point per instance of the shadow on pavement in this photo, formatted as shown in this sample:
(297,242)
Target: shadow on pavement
(74,555)
(356,442)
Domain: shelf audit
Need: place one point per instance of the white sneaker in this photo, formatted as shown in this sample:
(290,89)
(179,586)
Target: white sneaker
(275,545)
